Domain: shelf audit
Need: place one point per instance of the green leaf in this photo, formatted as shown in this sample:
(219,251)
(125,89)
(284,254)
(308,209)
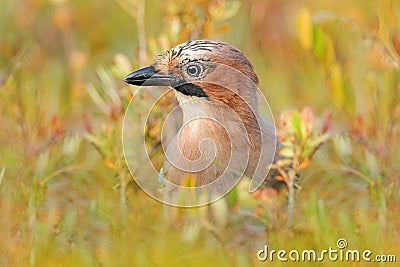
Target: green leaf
(286,152)
(319,44)
(296,124)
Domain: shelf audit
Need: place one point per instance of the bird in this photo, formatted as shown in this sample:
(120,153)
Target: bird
(223,135)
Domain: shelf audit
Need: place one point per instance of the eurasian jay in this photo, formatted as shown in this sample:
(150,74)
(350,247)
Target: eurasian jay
(223,135)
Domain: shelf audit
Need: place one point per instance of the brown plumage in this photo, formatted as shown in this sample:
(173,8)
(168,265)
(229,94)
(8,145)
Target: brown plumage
(216,87)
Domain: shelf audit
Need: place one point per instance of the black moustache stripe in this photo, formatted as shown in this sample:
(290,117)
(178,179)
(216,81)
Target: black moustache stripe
(191,89)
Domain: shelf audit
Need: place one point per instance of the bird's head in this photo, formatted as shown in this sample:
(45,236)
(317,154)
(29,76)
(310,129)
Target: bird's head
(207,69)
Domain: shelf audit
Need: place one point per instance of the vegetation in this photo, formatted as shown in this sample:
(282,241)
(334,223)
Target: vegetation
(67,197)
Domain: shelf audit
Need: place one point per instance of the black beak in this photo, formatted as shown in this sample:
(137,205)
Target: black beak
(148,76)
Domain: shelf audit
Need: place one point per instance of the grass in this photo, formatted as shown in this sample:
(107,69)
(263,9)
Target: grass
(66,195)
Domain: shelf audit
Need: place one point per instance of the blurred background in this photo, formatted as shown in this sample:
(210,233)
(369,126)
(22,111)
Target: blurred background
(66,196)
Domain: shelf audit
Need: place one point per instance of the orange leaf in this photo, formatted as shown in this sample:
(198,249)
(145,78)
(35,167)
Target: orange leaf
(304,164)
(109,164)
(395,36)
(279,178)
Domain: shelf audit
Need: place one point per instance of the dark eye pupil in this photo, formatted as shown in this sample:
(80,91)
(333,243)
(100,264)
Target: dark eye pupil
(193,70)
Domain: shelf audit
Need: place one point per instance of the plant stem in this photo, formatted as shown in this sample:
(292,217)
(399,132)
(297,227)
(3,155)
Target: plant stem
(136,9)
(291,188)
(290,185)
(122,199)
(141,32)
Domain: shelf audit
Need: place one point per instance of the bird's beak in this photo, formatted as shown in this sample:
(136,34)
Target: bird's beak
(148,76)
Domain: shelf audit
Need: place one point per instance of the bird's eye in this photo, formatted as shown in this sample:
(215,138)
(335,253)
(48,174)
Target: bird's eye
(194,70)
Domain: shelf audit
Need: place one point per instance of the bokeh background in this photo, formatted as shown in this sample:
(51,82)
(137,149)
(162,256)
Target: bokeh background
(66,196)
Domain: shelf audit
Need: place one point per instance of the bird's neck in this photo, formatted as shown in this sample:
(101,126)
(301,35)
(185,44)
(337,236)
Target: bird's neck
(199,112)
